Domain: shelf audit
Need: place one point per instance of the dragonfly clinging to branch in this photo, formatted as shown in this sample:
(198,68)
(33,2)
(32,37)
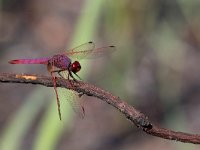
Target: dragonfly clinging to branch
(63,62)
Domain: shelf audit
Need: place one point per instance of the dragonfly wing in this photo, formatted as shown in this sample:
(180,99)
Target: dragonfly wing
(101,52)
(81,51)
(88,51)
(74,101)
(72,98)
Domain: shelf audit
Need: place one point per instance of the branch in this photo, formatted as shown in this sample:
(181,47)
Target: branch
(135,116)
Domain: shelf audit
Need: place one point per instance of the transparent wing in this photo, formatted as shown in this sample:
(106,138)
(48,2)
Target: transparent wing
(88,50)
(73,98)
(81,51)
(101,52)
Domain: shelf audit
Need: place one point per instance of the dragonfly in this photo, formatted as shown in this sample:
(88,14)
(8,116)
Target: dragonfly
(62,63)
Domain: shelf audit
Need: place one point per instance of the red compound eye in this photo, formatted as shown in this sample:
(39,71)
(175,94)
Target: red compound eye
(75,67)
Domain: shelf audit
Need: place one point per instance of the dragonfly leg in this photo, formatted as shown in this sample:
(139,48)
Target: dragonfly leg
(78,76)
(57,98)
(58,71)
(70,74)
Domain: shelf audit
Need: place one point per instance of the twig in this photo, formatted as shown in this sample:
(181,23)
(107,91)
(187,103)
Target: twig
(135,116)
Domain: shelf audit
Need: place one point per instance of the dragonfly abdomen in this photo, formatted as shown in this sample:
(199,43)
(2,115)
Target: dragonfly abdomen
(30,61)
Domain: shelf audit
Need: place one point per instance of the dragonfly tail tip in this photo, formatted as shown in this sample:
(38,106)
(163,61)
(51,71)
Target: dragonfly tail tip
(13,62)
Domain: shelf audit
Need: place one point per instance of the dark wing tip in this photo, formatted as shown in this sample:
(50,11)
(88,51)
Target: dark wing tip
(113,48)
(90,42)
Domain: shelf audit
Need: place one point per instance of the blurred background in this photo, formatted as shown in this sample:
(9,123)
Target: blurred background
(155,68)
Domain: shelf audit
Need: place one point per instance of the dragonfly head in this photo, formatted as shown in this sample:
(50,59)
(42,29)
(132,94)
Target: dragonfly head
(75,67)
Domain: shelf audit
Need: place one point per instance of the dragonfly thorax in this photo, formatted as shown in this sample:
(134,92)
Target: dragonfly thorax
(75,67)
(60,61)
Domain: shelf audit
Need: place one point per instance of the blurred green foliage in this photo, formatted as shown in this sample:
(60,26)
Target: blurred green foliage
(155,67)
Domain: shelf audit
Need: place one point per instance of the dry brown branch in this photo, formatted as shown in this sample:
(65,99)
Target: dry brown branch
(135,116)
